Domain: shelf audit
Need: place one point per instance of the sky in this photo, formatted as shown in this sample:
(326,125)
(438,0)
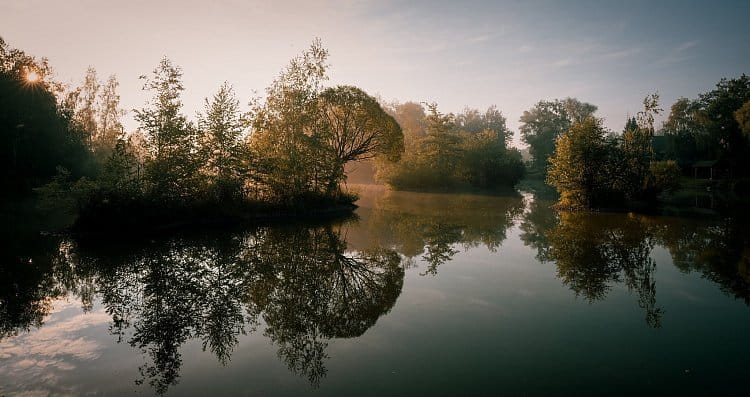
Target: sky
(457,53)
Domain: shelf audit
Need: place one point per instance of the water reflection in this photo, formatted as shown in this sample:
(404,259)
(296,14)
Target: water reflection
(304,285)
(300,282)
(433,226)
(595,251)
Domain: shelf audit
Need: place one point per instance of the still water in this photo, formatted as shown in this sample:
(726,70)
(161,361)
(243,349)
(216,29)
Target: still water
(422,294)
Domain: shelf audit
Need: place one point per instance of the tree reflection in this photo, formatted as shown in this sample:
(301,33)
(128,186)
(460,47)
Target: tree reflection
(718,250)
(310,290)
(433,226)
(593,251)
(300,280)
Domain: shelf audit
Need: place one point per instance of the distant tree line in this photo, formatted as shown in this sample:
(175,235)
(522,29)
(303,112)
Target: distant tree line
(291,147)
(591,166)
(468,149)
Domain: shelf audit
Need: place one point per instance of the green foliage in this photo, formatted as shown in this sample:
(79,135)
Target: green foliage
(449,151)
(221,149)
(742,115)
(663,176)
(283,151)
(575,169)
(487,161)
(590,170)
(352,127)
(171,168)
(711,126)
(95,110)
(304,135)
(715,113)
(543,123)
(633,158)
(681,132)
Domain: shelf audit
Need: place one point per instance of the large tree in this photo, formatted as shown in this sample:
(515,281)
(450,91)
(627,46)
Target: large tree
(543,123)
(352,127)
(578,168)
(715,113)
(37,134)
(473,121)
(172,166)
(221,146)
(283,124)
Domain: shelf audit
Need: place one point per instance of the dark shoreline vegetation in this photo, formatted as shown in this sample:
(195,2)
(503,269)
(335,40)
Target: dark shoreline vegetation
(290,153)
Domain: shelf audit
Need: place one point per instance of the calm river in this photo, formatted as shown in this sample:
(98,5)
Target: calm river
(423,294)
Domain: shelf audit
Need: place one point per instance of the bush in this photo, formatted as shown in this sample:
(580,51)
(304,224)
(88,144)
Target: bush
(663,176)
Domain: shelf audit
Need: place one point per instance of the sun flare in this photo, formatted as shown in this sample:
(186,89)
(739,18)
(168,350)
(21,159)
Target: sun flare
(32,77)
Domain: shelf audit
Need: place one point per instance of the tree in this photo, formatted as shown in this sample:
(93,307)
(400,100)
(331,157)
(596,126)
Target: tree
(110,127)
(576,167)
(38,135)
(683,132)
(282,126)
(488,163)
(635,151)
(742,115)
(543,123)
(95,109)
(715,110)
(474,122)
(172,166)
(83,102)
(221,146)
(352,127)
(440,148)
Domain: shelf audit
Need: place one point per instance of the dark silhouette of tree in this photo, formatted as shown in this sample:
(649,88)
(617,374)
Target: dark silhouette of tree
(172,164)
(38,136)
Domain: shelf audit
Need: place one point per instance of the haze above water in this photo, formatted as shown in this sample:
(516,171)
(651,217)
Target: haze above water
(422,294)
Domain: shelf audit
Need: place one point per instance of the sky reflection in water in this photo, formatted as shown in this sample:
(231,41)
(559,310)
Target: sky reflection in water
(423,293)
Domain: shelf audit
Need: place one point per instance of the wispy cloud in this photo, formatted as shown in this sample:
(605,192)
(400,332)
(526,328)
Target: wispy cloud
(479,38)
(620,54)
(678,54)
(686,46)
(563,62)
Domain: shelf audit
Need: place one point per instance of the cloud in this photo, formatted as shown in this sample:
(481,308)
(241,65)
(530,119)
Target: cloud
(40,357)
(563,62)
(624,53)
(677,54)
(479,38)
(686,46)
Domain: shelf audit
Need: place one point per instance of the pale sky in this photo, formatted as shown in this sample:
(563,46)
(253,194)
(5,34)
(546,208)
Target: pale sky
(507,53)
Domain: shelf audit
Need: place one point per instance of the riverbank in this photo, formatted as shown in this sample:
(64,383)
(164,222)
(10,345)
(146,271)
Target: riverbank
(157,218)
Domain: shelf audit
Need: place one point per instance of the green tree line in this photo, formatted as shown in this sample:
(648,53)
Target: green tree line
(444,151)
(591,166)
(288,149)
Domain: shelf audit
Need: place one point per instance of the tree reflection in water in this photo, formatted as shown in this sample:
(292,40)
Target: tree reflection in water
(592,251)
(303,286)
(300,281)
(433,226)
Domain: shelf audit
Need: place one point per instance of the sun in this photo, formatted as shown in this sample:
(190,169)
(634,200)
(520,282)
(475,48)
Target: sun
(32,77)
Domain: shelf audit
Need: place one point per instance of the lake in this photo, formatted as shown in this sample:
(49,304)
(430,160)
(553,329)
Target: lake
(419,294)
